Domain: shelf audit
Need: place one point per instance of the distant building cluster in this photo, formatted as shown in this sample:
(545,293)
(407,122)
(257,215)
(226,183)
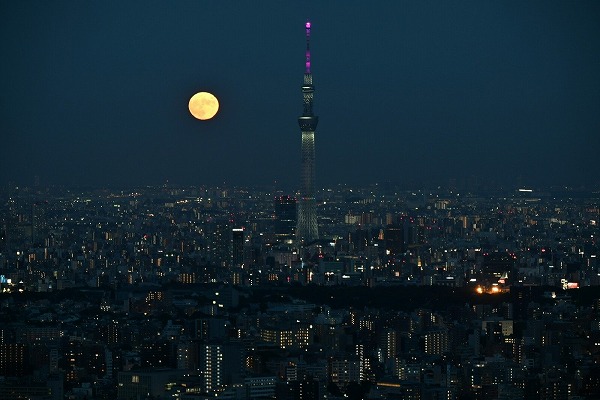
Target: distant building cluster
(199,292)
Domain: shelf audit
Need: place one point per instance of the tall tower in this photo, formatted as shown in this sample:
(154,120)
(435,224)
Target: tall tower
(307,230)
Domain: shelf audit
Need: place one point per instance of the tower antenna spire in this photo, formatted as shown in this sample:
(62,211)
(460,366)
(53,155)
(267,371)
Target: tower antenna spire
(307,25)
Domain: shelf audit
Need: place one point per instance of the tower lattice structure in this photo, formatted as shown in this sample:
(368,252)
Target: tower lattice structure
(307,229)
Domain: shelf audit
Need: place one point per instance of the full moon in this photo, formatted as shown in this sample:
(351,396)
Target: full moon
(203,105)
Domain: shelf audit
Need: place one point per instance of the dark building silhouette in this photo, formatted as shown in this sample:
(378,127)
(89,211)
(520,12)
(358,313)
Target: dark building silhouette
(237,247)
(285,218)
(394,240)
(307,389)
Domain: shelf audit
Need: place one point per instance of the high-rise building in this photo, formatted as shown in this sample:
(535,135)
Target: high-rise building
(388,343)
(13,359)
(394,240)
(221,364)
(212,366)
(220,242)
(307,209)
(436,341)
(237,247)
(285,218)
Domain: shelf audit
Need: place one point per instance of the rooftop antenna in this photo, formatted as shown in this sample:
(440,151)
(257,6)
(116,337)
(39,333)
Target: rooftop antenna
(307,47)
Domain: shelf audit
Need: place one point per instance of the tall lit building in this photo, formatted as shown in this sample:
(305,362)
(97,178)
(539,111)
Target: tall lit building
(212,366)
(220,364)
(219,246)
(307,209)
(388,343)
(13,359)
(436,341)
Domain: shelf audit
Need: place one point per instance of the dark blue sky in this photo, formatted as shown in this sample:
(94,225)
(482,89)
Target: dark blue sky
(406,91)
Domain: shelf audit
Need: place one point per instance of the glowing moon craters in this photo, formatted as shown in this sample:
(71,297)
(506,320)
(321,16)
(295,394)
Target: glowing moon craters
(203,105)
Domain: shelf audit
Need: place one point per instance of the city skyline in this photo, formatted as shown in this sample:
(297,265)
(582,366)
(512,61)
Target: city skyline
(96,94)
(200,292)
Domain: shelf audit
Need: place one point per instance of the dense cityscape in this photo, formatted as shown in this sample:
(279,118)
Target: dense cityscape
(198,292)
(480,288)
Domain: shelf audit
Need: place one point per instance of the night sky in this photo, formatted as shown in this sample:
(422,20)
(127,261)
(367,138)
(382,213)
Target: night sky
(412,92)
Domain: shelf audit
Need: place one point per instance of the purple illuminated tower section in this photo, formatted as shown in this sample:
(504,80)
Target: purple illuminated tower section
(307,230)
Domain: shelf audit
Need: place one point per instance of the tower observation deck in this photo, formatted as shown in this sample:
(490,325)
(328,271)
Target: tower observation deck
(307,229)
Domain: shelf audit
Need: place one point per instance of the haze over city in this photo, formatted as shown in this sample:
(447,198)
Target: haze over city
(408,92)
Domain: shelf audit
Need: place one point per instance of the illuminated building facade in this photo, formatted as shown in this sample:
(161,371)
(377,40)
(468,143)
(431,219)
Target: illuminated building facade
(13,359)
(435,341)
(307,229)
(342,371)
(284,338)
(212,366)
(220,364)
(388,343)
